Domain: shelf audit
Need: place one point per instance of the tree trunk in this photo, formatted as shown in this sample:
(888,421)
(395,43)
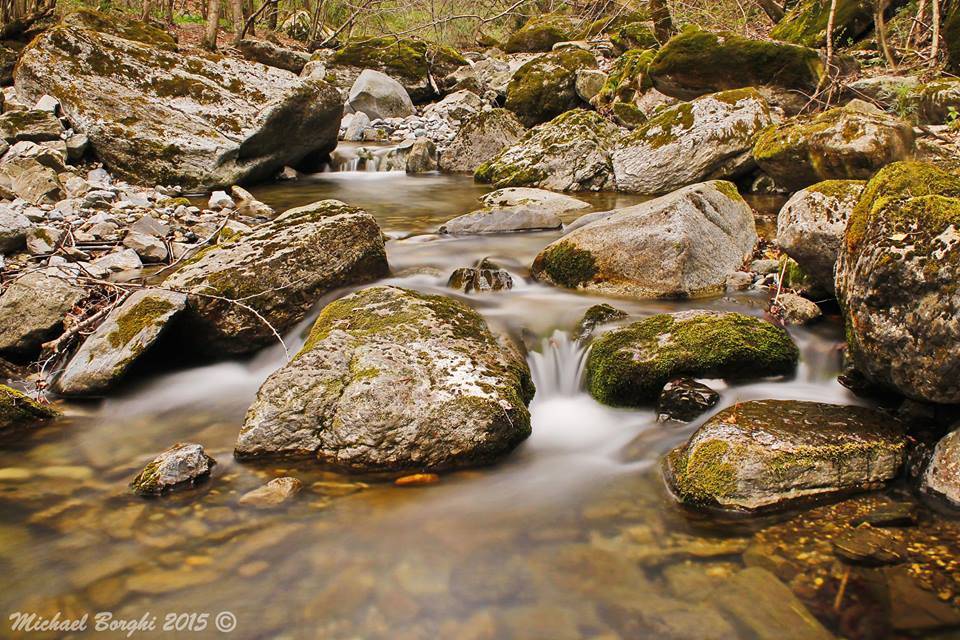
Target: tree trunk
(663,27)
(773,10)
(213,25)
(935,40)
(881,27)
(168,11)
(236,11)
(146,9)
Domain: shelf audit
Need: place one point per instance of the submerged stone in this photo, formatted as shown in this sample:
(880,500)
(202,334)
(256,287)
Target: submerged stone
(685,399)
(276,492)
(181,465)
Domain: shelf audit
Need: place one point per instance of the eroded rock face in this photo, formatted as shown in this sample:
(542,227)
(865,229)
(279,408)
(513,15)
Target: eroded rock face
(515,209)
(767,453)
(285,265)
(896,281)
(32,310)
(393,380)
(481,137)
(183,464)
(156,115)
(19,412)
(942,476)
(545,87)
(680,245)
(708,138)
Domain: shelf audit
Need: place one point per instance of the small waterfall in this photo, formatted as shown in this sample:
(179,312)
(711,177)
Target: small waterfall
(558,367)
(348,157)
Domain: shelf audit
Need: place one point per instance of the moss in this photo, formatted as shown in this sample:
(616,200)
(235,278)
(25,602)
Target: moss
(405,58)
(628,79)
(728,189)
(17,411)
(636,35)
(614,24)
(630,366)
(628,115)
(540,33)
(806,23)
(663,128)
(567,265)
(545,87)
(119,25)
(703,475)
(838,189)
(144,314)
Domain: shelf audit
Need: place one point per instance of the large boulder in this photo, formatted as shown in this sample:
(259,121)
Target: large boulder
(481,137)
(896,280)
(626,82)
(942,475)
(393,380)
(630,366)
(126,334)
(540,33)
(32,310)
(845,143)
(680,245)
(569,153)
(546,87)
(768,453)
(277,272)
(706,139)
(810,226)
(19,412)
(273,55)
(455,107)
(515,209)
(806,22)
(379,96)
(156,115)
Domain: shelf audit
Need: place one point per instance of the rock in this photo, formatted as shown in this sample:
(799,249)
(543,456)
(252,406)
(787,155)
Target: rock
(120,261)
(545,87)
(31,179)
(845,143)
(30,126)
(653,616)
(887,92)
(43,240)
(422,157)
(569,153)
(379,96)
(870,547)
(810,226)
(458,106)
(276,492)
(77,146)
(220,200)
(685,399)
(635,36)
(272,55)
(481,137)
(148,248)
(596,316)
(915,610)
(630,366)
(479,280)
(768,453)
(936,101)
(942,476)
(19,412)
(13,229)
(539,34)
(125,335)
(314,70)
(417,480)
(391,379)
(589,82)
(797,309)
(708,138)
(899,262)
(359,123)
(515,209)
(32,310)
(680,245)
(335,245)
(181,465)
(157,115)
(625,86)
(806,23)
(897,514)
(248,206)
(739,281)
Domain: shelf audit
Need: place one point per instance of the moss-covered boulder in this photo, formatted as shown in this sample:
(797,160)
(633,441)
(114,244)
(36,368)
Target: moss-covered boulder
(630,366)
(481,138)
(810,226)
(182,465)
(248,286)
(680,245)
(936,102)
(769,453)
(394,380)
(806,23)
(708,138)
(126,334)
(33,309)
(569,153)
(540,33)
(845,143)
(697,62)
(156,115)
(897,282)
(627,81)
(635,35)
(545,87)
(19,412)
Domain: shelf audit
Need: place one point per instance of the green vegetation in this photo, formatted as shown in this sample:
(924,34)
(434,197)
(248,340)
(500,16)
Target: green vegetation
(806,23)
(17,411)
(144,314)
(566,264)
(545,87)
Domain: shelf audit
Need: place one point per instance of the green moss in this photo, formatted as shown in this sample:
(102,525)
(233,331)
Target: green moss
(540,33)
(545,87)
(703,475)
(628,80)
(728,189)
(119,25)
(806,23)
(614,24)
(838,189)
(637,35)
(567,265)
(406,58)
(629,115)
(18,411)
(144,314)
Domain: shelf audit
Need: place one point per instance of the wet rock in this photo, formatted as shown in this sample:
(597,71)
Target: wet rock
(869,547)
(357,126)
(481,137)
(658,617)
(272,55)
(545,87)
(794,309)
(844,143)
(379,96)
(276,492)
(680,245)
(708,138)
(595,316)
(125,335)
(155,114)
(810,226)
(895,281)
(13,229)
(479,280)
(942,476)
(30,126)
(767,453)
(898,514)
(19,412)
(334,245)
(685,399)
(915,610)
(422,157)
(390,379)
(630,366)
(515,209)
(181,465)
(32,310)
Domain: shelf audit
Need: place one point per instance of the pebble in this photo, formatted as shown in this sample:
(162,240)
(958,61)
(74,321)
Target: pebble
(417,479)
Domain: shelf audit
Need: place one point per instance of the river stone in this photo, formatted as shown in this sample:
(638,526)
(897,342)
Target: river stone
(896,281)
(845,143)
(545,87)
(13,229)
(422,156)
(181,465)
(31,179)
(286,265)
(19,412)
(595,317)
(481,137)
(708,138)
(149,248)
(870,547)
(479,280)
(515,209)
(810,226)
(680,245)
(569,153)
(127,333)
(942,476)
(767,453)
(32,310)
(272,55)
(797,309)
(160,116)
(457,106)
(685,399)
(379,96)
(272,494)
(629,366)
(394,380)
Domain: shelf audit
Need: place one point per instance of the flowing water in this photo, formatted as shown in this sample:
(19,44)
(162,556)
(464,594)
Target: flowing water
(533,547)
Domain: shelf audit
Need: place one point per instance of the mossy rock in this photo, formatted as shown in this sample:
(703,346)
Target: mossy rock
(611,25)
(935,102)
(545,87)
(636,35)
(806,23)
(19,412)
(627,81)
(540,33)
(117,24)
(406,59)
(630,366)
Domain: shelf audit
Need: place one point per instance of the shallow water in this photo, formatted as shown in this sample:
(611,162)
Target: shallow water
(538,546)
